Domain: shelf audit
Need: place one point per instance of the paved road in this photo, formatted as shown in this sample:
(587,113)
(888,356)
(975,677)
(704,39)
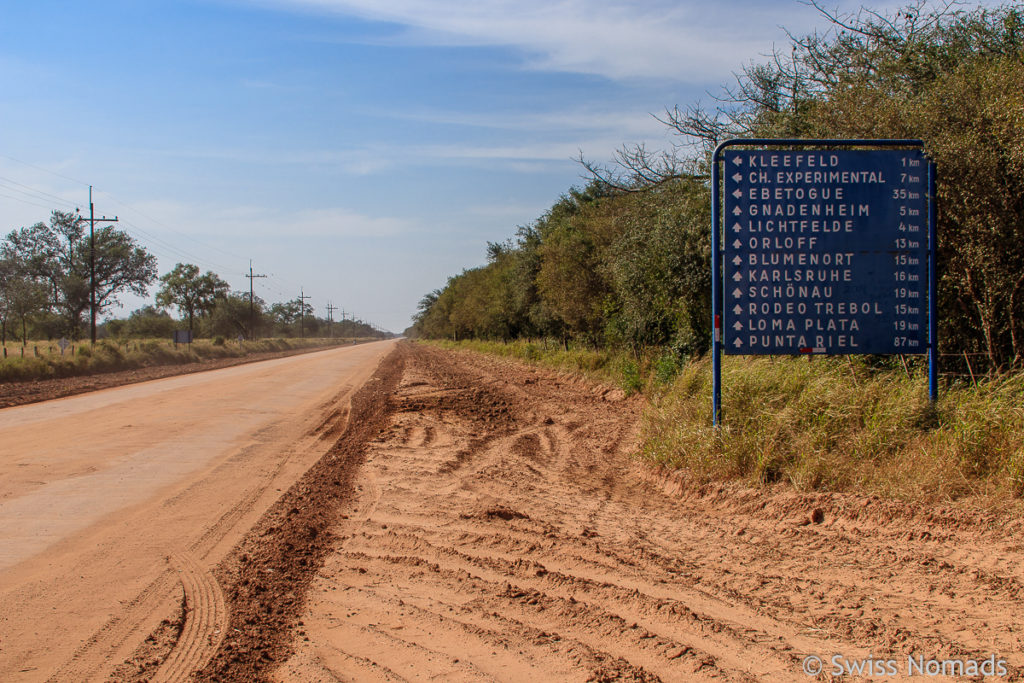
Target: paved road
(98,491)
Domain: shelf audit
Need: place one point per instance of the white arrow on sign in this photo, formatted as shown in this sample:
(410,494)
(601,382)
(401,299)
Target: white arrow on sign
(737,261)
(737,244)
(737,211)
(737,292)
(737,325)
(737,343)
(737,309)
(737,277)
(737,160)
(738,193)
(738,177)
(736,227)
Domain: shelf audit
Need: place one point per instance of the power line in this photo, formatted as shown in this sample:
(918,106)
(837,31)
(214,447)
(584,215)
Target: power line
(25,201)
(175,251)
(33,193)
(45,170)
(167,227)
(34,197)
(151,239)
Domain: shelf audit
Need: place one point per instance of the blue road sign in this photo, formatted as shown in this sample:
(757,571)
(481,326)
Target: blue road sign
(825,251)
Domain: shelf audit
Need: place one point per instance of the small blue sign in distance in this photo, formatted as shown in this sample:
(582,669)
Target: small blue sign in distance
(825,252)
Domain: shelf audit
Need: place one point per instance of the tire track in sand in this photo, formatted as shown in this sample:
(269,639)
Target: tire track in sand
(205,622)
(520,541)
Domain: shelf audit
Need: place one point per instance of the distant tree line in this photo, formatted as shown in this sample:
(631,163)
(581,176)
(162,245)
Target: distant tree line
(601,266)
(45,275)
(626,260)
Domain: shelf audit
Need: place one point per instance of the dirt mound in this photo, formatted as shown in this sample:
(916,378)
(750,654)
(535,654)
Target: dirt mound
(266,576)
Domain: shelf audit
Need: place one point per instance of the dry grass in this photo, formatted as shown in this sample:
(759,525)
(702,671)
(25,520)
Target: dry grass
(599,364)
(834,425)
(43,360)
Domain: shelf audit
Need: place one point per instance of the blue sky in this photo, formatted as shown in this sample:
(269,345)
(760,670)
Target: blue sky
(361,154)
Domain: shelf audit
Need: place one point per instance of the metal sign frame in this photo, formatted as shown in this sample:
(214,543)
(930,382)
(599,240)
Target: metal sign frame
(718,231)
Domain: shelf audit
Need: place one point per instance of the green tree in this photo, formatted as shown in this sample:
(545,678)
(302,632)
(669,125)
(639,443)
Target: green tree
(230,316)
(150,322)
(625,260)
(289,315)
(21,297)
(952,77)
(191,292)
(58,254)
(658,269)
(574,234)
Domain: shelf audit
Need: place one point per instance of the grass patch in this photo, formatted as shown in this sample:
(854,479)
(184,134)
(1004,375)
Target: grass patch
(43,360)
(837,425)
(611,367)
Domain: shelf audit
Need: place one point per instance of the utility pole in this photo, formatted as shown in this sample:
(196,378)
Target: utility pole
(252,314)
(330,318)
(302,313)
(92,264)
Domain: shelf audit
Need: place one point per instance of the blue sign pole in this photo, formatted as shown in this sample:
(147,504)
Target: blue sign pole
(933,290)
(716,295)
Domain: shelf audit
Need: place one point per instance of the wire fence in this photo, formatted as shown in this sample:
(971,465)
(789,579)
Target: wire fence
(39,349)
(968,366)
(69,349)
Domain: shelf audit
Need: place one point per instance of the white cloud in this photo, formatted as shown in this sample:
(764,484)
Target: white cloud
(595,135)
(682,40)
(626,122)
(257,222)
(355,161)
(29,193)
(336,222)
(606,37)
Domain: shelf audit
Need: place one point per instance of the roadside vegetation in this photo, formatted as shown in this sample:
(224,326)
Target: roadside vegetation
(624,261)
(611,366)
(857,424)
(838,425)
(616,274)
(48,292)
(44,360)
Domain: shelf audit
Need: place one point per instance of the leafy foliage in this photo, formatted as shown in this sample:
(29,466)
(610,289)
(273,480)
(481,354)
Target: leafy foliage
(59,256)
(21,297)
(193,293)
(625,261)
(149,322)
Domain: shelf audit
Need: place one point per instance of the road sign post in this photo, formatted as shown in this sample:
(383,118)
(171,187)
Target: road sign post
(822,247)
(182,337)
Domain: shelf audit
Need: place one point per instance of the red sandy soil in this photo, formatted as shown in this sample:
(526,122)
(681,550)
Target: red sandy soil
(21,393)
(117,505)
(480,519)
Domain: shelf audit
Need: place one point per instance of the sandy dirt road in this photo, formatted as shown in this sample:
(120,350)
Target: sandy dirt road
(497,529)
(114,504)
